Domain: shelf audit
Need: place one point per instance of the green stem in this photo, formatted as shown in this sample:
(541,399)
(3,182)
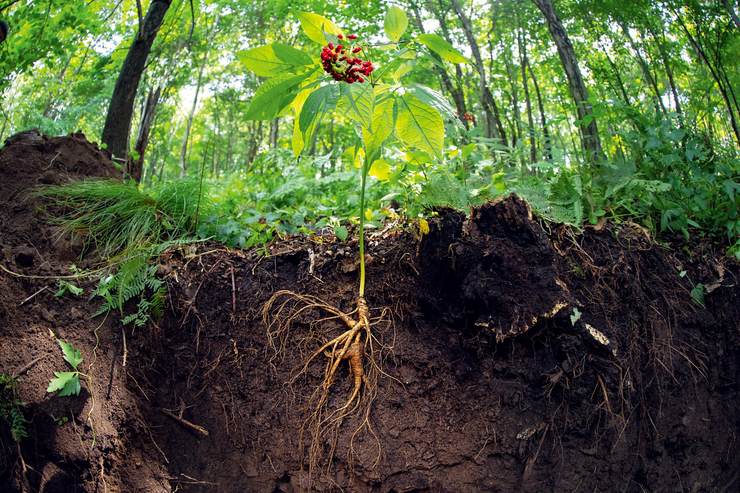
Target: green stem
(362,228)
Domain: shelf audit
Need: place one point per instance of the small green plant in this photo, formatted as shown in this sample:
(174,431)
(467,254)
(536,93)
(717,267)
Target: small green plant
(135,279)
(11,407)
(117,218)
(64,287)
(381,108)
(66,383)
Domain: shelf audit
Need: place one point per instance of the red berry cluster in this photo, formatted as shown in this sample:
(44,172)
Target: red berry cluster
(342,63)
(468,117)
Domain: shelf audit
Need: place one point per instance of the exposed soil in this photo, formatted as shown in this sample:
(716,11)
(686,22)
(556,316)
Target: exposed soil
(493,382)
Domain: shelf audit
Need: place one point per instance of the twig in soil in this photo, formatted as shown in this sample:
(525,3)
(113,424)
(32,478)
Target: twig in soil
(125,348)
(192,480)
(233,291)
(27,367)
(33,296)
(184,422)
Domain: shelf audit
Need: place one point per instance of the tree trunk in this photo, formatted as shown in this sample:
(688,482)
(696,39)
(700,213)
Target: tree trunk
(669,71)
(494,127)
(275,133)
(191,117)
(121,108)
(136,166)
(446,82)
(645,69)
(729,5)
(715,74)
(590,140)
(523,63)
(543,117)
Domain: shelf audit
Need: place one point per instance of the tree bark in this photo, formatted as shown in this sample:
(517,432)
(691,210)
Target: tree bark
(659,106)
(446,81)
(590,140)
(121,108)
(715,74)
(668,70)
(523,63)
(191,117)
(543,117)
(494,127)
(275,133)
(729,5)
(136,166)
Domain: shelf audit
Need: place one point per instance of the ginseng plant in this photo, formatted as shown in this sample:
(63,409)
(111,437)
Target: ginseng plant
(344,82)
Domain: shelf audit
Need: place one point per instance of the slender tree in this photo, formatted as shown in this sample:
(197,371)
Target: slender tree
(590,140)
(494,127)
(121,108)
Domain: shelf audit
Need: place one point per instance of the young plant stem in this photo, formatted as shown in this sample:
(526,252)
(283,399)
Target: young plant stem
(365,168)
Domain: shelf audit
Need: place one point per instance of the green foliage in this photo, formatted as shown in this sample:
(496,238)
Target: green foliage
(135,278)
(65,287)
(67,383)
(131,228)
(115,217)
(441,47)
(11,407)
(396,22)
(671,158)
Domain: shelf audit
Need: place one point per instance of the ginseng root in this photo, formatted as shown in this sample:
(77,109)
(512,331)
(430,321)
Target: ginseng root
(356,345)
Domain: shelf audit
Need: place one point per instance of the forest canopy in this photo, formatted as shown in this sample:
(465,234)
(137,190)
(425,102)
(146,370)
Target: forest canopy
(588,109)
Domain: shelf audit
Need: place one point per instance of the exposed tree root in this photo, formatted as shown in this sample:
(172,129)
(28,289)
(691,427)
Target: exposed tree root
(356,345)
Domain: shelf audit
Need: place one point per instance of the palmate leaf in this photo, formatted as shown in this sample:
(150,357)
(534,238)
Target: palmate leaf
(319,103)
(381,128)
(380,169)
(274,60)
(434,99)
(72,355)
(274,95)
(316,26)
(66,383)
(395,23)
(441,47)
(419,125)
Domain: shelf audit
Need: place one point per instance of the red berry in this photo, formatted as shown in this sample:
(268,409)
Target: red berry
(352,36)
(340,36)
(356,49)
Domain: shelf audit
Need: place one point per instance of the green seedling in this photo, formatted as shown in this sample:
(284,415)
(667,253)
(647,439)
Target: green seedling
(364,84)
(64,287)
(67,383)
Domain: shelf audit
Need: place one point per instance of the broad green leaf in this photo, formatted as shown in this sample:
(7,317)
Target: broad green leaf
(419,125)
(273,96)
(435,100)
(380,169)
(402,70)
(341,233)
(358,102)
(395,23)
(380,129)
(315,26)
(441,47)
(71,354)
(274,60)
(66,382)
(297,143)
(318,103)
(290,55)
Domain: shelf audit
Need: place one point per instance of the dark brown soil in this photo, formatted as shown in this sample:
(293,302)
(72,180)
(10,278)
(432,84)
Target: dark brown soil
(493,383)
